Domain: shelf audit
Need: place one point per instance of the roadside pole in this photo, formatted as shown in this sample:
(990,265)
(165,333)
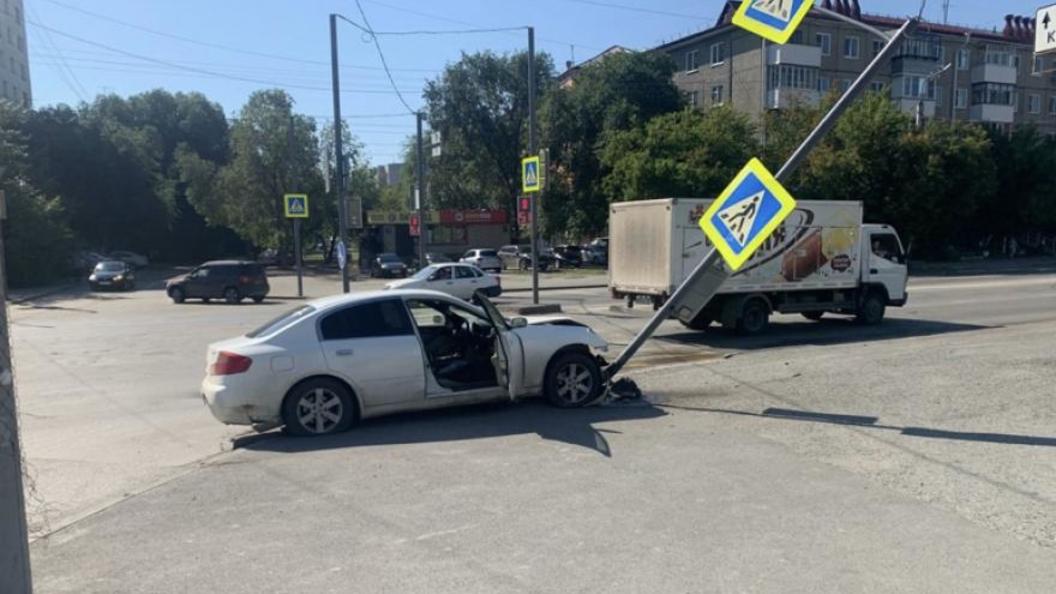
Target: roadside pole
(419,189)
(15,575)
(533,150)
(339,154)
(701,285)
(300,258)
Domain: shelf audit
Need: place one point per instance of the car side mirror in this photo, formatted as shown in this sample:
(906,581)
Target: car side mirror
(518,323)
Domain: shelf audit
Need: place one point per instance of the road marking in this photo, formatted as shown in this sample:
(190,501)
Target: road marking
(1032,282)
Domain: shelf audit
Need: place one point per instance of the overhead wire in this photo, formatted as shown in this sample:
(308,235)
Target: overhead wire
(68,76)
(639,9)
(381,55)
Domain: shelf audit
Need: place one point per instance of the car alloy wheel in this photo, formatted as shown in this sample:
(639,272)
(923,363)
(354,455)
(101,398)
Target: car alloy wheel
(319,406)
(573,380)
(319,411)
(574,383)
(232,296)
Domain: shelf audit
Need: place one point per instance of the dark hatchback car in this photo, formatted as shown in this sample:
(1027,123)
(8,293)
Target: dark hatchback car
(230,280)
(112,275)
(388,266)
(568,256)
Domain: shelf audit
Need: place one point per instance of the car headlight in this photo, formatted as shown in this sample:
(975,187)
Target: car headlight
(119,277)
(91,277)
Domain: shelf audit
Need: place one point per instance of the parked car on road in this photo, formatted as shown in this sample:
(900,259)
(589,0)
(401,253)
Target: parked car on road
(597,252)
(568,256)
(388,265)
(112,274)
(436,258)
(230,280)
(484,259)
(520,257)
(130,258)
(460,280)
(85,260)
(333,361)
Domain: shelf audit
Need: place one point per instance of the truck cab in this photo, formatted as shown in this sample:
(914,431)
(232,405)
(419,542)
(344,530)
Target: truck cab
(885,266)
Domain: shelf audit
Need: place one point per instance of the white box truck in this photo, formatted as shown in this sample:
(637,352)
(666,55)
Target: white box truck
(821,259)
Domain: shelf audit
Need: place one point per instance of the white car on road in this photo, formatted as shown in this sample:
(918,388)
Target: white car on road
(460,280)
(332,361)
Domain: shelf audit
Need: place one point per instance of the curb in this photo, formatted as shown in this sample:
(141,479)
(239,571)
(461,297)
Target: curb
(568,288)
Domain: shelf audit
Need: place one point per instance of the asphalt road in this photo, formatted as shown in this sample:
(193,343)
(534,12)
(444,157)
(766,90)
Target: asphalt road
(917,455)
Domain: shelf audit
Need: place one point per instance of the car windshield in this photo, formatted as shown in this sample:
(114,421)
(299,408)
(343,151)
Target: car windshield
(488,253)
(109,267)
(282,321)
(389,258)
(425,273)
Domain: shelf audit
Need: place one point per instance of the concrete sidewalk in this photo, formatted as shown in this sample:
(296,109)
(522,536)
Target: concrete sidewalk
(527,498)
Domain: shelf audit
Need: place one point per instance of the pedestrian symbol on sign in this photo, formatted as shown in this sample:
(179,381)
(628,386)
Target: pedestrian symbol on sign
(740,218)
(296,206)
(775,20)
(531,174)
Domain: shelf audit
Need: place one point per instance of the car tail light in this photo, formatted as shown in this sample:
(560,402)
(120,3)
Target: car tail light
(230,364)
(245,280)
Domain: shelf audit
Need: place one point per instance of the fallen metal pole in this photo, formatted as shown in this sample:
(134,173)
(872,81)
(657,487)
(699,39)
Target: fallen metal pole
(709,275)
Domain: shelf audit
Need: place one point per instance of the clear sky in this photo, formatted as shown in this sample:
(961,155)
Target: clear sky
(250,44)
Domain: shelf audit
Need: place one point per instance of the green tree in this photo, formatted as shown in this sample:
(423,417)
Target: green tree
(686,153)
(619,92)
(480,107)
(273,152)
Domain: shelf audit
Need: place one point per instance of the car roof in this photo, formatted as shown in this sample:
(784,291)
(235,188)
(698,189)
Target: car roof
(229,263)
(118,262)
(324,303)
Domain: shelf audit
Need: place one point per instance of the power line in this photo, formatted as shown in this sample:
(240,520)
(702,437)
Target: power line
(67,75)
(381,55)
(626,7)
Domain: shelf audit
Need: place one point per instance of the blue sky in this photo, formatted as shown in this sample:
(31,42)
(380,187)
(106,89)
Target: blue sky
(286,43)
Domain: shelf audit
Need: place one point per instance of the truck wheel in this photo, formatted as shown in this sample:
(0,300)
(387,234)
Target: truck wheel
(755,317)
(699,323)
(872,310)
(813,316)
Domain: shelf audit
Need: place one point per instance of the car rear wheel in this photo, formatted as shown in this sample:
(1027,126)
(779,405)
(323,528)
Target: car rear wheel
(258,299)
(318,407)
(872,311)
(177,295)
(573,379)
(755,317)
(232,296)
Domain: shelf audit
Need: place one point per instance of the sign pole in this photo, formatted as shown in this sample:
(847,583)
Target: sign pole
(339,155)
(532,150)
(420,191)
(708,276)
(300,259)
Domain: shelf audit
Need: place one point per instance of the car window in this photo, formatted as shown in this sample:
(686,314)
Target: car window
(441,274)
(469,254)
(429,313)
(886,246)
(282,321)
(488,253)
(369,320)
(476,272)
(201,272)
(465,272)
(425,273)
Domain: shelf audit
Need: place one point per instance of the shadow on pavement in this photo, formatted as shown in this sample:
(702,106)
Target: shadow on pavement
(828,331)
(873,423)
(575,427)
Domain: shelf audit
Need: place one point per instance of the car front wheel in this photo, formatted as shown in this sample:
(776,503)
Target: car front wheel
(232,296)
(177,295)
(573,379)
(318,407)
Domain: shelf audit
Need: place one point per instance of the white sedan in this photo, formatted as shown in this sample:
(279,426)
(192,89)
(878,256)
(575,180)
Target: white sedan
(460,280)
(332,361)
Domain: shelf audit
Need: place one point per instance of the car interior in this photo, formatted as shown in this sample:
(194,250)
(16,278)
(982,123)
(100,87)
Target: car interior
(459,344)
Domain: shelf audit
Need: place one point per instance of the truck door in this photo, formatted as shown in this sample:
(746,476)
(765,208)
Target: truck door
(885,263)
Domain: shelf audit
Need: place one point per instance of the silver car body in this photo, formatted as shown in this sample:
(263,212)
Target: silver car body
(484,262)
(460,280)
(386,375)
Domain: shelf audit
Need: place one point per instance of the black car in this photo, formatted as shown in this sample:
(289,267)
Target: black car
(230,280)
(112,274)
(568,256)
(520,257)
(388,266)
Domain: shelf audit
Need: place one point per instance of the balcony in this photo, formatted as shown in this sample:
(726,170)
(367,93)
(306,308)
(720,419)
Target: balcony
(794,54)
(784,98)
(998,114)
(909,105)
(994,73)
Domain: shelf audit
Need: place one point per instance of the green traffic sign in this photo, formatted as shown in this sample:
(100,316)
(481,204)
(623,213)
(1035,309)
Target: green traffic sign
(296,206)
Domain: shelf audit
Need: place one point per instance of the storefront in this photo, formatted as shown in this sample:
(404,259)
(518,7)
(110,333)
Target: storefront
(450,232)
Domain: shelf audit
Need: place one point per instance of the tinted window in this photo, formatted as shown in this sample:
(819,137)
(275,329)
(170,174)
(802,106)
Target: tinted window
(388,258)
(465,272)
(282,321)
(442,274)
(370,320)
(110,266)
(253,270)
(469,254)
(488,253)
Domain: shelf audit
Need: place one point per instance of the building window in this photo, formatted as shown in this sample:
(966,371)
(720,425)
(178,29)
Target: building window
(824,84)
(877,46)
(716,95)
(1052,105)
(845,84)
(998,57)
(993,94)
(797,37)
(787,76)
(851,47)
(718,53)
(1039,66)
(876,86)
(693,98)
(964,58)
(961,99)
(1034,103)
(918,87)
(1015,61)
(824,41)
(691,61)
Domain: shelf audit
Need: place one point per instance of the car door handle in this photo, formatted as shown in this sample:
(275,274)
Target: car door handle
(344,352)
(874,271)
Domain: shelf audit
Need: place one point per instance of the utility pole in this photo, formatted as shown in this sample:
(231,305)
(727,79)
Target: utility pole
(339,154)
(14,537)
(296,222)
(420,192)
(533,150)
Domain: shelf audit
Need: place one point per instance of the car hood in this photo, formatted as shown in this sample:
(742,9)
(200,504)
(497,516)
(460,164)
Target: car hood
(176,279)
(107,275)
(408,283)
(553,321)
(393,265)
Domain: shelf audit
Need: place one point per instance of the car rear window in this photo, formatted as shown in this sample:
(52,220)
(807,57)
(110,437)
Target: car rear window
(488,253)
(282,321)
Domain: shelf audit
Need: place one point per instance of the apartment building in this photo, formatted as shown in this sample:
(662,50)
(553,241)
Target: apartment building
(14,57)
(990,76)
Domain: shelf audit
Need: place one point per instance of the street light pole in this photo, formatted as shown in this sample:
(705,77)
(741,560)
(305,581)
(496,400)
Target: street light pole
(339,154)
(420,189)
(533,150)
(14,536)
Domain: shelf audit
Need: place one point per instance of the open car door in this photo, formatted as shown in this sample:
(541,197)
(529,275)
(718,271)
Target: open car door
(508,350)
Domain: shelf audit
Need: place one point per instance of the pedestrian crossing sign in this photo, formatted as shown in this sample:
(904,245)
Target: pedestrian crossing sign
(531,174)
(296,206)
(775,20)
(747,212)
